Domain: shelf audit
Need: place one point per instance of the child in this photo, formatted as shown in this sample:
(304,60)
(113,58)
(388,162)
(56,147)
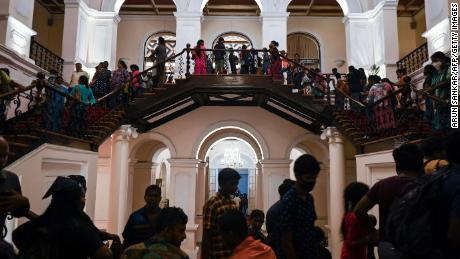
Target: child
(265,62)
(356,234)
(256,220)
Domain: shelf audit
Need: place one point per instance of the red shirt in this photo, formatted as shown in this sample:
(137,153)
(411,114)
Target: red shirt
(251,248)
(353,231)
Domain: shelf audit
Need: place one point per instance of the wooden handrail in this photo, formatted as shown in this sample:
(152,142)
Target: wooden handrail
(394,93)
(433,97)
(340,91)
(162,62)
(20,89)
(66,95)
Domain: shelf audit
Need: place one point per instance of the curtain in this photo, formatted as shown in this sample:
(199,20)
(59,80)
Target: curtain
(304,45)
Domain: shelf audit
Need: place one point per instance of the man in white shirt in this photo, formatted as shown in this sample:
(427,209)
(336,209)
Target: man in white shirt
(76,75)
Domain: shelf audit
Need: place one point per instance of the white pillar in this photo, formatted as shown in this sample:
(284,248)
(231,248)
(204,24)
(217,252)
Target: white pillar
(188,30)
(273,174)
(438,25)
(274,27)
(336,187)
(259,187)
(201,188)
(16,25)
(200,197)
(90,37)
(372,38)
(119,177)
(182,190)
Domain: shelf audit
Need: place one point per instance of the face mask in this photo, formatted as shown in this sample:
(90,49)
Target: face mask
(437,65)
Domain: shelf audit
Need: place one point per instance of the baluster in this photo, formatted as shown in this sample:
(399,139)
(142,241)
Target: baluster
(17,102)
(187,72)
(181,62)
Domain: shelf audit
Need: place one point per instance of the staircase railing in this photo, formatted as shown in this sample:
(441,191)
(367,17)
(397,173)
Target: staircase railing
(415,59)
(45,58)
(53,110)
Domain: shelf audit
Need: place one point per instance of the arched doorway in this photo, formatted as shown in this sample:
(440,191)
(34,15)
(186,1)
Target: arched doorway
(152,42)
(308,48)
(234,40)
(313,145)
(149,164)
(239,155)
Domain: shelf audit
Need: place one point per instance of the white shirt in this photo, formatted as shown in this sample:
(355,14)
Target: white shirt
(76,75)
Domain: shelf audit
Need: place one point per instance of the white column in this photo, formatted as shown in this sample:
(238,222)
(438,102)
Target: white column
(200,197)
(119,177)
(16,25)
(372,38)
(336,187)
(201,188)
(259,187)
(90,37)
(188,30)
(182,190)
(438,25)
(273,174)
(274,27)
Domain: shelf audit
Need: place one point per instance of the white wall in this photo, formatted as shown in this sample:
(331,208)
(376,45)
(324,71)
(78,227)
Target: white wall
(38,169)
(133,31)
(373,167)
(213,26)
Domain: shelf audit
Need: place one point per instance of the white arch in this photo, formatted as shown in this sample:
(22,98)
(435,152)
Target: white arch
(239,125)
(146,137)
(229,136)
(310,142)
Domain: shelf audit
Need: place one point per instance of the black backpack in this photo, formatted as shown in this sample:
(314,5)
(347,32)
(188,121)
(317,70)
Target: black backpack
(411,221)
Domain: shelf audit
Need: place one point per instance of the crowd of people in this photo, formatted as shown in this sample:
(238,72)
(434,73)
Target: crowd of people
(419,216)
(385,102)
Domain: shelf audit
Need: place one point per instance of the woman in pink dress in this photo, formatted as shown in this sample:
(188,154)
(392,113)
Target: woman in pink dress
(199,56)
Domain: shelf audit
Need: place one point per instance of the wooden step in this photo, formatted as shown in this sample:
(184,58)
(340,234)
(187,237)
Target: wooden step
(26,136)
(17,145)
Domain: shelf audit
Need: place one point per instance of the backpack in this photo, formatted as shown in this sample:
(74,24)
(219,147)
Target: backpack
(411,221)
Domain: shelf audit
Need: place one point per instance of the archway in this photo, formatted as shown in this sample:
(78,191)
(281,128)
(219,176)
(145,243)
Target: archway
(152,43)
(307,47)
(313,145)
(238,154)
(149,164)
(234,40)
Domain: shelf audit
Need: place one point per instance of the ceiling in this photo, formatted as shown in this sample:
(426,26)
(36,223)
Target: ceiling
(406,8)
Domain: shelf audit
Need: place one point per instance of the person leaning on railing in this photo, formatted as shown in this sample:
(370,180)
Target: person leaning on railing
(441,112)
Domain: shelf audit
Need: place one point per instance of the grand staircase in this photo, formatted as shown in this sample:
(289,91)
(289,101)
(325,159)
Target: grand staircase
(27,129)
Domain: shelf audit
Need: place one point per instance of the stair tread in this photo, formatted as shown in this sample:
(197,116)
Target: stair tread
(17,144)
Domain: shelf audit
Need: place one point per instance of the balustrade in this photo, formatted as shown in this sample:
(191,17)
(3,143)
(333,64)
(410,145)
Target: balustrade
(414,60)
(72,117)
(45,58)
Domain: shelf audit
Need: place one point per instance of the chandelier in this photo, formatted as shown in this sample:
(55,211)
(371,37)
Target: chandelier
(232,158)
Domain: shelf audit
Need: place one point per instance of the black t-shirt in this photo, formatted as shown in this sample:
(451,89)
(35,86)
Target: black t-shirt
(72,239)
(354,82)
(219,54)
